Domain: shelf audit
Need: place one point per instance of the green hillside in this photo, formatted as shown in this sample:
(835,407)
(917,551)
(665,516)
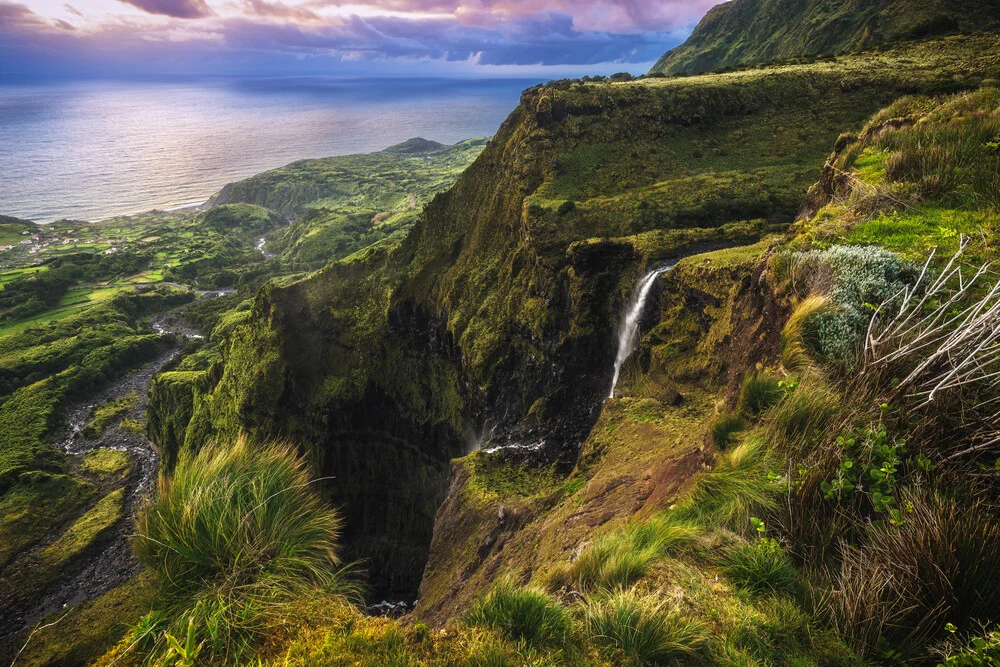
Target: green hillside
(746,32)
(799,464)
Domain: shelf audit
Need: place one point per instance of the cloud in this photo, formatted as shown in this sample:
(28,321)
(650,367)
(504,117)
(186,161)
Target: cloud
(547,39)
(315,36)
(180,9)
(617,16)
(73,10)
(14,15)
(279,10)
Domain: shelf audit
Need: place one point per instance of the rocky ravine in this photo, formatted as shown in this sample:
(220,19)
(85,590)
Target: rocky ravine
(110,562)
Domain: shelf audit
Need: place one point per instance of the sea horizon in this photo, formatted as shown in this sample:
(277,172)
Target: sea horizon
(96,149)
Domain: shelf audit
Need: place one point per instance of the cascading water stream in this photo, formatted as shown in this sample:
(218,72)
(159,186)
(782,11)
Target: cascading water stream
(628,331)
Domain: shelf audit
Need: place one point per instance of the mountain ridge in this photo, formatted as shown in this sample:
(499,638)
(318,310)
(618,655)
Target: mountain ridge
(752,32)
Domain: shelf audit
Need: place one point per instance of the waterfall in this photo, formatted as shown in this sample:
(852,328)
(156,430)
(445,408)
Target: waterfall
(628,331)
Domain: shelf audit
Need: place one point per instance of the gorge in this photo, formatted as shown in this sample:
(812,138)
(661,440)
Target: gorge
(611,368)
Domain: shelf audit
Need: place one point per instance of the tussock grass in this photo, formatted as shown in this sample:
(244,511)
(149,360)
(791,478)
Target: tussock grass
(799,336)
(739,487)
(236,538)
(761,390)
(725,428)
(642,629)
(619,558)
(522,614)
(761,566)
(811,409)
(942,565)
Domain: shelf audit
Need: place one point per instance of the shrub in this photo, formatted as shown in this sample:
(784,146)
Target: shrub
(238,532)
(854,280)
(521,613)
(761,390)
(761,566)
(566,207)
(641,628)
(619,558)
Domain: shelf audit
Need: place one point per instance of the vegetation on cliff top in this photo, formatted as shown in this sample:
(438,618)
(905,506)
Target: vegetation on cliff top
(772,483)
(752,32)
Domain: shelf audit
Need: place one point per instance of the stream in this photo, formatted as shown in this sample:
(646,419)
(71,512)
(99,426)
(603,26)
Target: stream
(114,564)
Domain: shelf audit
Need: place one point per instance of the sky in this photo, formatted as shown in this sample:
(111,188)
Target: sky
(145,38)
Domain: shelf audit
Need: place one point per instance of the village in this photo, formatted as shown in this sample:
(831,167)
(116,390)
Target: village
(40,243)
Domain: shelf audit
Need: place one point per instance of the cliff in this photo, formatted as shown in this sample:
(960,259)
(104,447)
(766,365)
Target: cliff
(493,322)
(751,32)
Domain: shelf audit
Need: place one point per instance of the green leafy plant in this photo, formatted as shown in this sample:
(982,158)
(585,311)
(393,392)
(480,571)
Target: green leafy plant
(979,652)
(183,655)
(872,465)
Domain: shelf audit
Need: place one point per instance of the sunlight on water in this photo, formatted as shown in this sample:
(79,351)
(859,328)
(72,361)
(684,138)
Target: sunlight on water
(92,150)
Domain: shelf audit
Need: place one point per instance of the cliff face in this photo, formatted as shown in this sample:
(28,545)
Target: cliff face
(715,316)
(747,32)
(494,320)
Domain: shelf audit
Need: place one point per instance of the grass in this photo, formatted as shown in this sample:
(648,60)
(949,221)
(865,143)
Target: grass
(798,342)
(761,390)
(811,409)
(107,462)
(35,506)
(522,614)
(761,566)
(493,476)
(621,557)
(104,415)
(740,486)
(133,426)
(87,530)
(235,536)
(725,428)
(82,634)
(641,629)
(905,582)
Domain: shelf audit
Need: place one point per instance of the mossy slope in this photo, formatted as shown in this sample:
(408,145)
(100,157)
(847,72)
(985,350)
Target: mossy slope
(503,300)
(749,32)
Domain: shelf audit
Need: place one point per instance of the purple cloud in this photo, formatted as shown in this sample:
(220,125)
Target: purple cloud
(288,36)
(17,16)
(279,10)
(181,9)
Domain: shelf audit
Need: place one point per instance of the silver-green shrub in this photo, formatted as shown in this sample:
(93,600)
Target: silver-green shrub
(856,279)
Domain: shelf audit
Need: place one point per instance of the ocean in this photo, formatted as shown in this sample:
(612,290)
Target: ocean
(93,150)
